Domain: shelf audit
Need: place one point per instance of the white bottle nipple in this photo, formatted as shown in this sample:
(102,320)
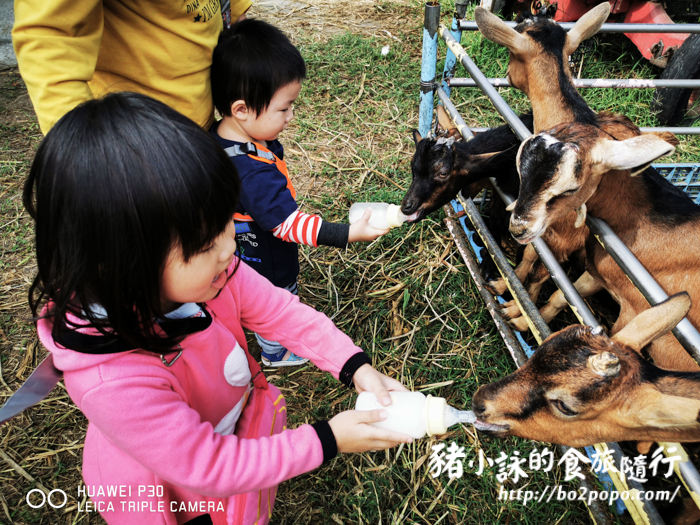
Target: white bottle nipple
(454,416)
(394,217)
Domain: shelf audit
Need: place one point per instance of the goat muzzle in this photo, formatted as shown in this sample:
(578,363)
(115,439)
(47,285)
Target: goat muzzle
(520,229)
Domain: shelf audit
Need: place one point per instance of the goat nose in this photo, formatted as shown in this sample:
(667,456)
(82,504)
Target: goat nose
(517,226)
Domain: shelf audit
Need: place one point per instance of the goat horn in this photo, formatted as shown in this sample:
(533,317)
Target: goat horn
(604,364)
(447,141)
(580,216)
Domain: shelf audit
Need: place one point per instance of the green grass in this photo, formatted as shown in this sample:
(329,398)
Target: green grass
(460,347)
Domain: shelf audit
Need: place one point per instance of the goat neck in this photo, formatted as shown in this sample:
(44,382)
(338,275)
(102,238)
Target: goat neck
(539,51)
(554,106)
(618,198)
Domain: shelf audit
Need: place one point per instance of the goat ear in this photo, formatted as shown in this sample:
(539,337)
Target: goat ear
(629,154)
(654,322)
(477,160)
(499,32)
(587,26)
(667,412)
(416,137)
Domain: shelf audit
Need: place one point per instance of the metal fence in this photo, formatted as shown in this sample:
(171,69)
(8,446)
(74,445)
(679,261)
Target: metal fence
(465,223)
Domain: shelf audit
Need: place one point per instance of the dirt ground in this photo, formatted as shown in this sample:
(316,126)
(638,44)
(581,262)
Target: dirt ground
(327,18)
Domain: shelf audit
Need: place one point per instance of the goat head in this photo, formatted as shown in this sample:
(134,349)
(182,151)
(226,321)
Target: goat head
(440,169)
(560,170)
(582,387)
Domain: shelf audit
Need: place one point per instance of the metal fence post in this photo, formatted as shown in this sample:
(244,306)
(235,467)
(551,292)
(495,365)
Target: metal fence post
(450,60)
(428,66)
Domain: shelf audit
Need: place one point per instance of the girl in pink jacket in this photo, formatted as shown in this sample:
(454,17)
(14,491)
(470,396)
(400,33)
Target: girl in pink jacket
(143,306)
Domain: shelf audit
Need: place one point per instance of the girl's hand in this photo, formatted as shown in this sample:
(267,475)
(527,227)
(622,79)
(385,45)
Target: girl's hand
(354,433)
(361,230)
(367,379)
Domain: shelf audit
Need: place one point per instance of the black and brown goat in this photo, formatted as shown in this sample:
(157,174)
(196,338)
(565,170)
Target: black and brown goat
(581,387)
(444,166)
(539,52)
(575,166)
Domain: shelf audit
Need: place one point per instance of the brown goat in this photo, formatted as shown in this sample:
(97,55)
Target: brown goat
(566,237)
(581,387)
(575,166)
(539,52)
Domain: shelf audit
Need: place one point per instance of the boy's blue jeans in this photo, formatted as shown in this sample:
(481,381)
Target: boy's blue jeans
(273,347)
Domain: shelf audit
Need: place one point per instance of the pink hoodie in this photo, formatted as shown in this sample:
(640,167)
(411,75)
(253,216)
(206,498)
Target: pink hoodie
(160,444)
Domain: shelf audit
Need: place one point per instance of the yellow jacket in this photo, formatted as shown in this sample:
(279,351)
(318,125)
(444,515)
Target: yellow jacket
(69,51)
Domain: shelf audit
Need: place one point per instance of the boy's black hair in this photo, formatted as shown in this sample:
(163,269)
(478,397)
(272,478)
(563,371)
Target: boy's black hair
(252,60)
(114,185)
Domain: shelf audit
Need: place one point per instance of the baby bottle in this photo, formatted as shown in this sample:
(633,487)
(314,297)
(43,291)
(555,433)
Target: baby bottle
(415,414)
(383,216)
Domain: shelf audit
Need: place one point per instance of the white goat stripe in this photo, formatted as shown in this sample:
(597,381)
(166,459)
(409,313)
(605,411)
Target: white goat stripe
(565,175)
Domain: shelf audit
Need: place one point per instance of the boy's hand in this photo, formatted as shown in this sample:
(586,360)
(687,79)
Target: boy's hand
(354,433)
(367,379)
(362,230)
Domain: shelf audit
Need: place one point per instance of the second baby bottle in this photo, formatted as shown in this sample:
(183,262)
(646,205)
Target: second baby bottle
(383,216)
(414,413)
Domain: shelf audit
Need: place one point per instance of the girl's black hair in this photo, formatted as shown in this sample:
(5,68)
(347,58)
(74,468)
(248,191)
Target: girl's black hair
(114,185)
(252,60)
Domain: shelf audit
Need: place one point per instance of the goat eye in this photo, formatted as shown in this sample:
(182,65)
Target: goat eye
(442,175)
(560,196)
(563,407)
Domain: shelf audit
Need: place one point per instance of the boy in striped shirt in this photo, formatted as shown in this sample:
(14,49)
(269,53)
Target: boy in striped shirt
(256,76)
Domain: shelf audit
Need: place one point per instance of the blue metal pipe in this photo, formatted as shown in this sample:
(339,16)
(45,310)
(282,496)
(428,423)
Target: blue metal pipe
(450,59)
(428,67)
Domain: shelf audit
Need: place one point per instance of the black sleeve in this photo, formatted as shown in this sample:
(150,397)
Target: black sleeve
(333,234)
(351,366)
(328,443)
